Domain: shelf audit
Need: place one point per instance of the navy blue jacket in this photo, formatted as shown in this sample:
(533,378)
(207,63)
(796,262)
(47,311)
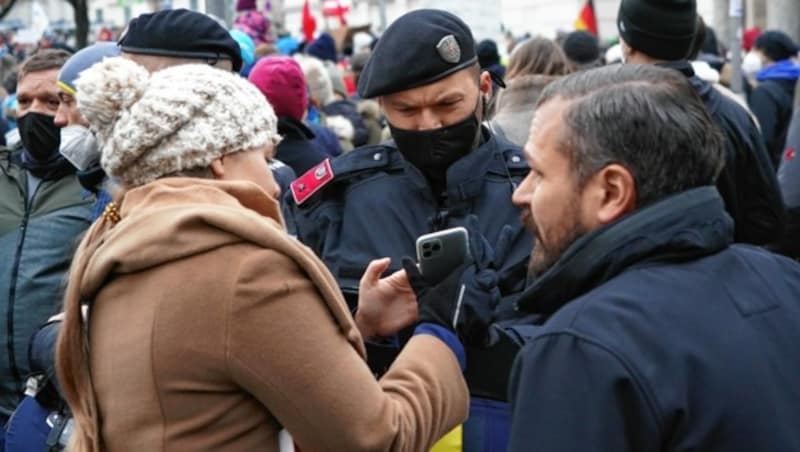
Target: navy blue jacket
(662,336)
(378,204)
(297,148)
(772,101)
(747,183)
(789,180)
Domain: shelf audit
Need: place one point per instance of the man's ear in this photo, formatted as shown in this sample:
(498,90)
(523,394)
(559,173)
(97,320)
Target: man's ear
(612,194)
(217,168)
(485,84)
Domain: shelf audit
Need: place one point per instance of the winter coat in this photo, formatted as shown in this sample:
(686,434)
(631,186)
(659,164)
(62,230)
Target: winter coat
(789,180)
(747,183)
(211,329)
(662,336)
(37,239)
(772,101)
(298,149)
(516,105)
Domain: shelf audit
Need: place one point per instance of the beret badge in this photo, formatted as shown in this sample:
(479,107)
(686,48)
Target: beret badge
(449,49)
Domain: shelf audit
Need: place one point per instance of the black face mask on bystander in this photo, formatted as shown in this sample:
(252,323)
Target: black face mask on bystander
(433,151)
(40,136)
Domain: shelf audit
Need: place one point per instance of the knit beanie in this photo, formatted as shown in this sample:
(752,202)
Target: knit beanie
(179,118)
(661,29)
(282,82)
(776,45)
(83,60)
(581,47)
(324,48)
(488,54)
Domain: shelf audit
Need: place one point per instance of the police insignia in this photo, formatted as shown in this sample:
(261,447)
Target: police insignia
(312,181)
(449,49)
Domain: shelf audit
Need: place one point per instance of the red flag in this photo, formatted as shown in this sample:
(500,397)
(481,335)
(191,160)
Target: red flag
(586,19)
(309,23)
(336,8)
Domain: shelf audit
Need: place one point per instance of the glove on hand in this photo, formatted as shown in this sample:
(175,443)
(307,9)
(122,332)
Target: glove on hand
(464,302)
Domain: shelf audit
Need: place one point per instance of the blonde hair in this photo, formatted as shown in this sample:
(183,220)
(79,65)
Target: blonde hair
(320,86)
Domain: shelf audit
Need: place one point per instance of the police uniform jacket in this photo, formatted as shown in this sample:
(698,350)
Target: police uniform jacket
(376,204)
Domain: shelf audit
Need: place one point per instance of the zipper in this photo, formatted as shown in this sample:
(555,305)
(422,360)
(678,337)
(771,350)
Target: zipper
(12,360)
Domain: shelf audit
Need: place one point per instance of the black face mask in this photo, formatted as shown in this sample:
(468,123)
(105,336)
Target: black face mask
(39,135)
(433,151)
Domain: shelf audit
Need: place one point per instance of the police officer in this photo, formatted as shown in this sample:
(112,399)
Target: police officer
(442,167)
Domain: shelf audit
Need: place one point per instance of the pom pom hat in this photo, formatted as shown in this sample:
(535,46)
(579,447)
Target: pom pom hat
(179,118)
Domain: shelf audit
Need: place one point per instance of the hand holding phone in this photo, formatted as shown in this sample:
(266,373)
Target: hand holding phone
(440,253)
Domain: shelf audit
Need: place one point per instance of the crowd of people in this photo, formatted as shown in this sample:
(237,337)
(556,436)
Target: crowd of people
(207,240)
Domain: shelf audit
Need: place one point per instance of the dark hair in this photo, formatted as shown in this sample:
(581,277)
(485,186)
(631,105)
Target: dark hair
(538,56)
(699,39)
(43,60)
(645,118)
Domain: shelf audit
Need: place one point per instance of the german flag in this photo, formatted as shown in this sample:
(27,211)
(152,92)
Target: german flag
(586,19)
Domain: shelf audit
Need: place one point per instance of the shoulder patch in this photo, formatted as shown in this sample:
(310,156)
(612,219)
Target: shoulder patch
(312,181)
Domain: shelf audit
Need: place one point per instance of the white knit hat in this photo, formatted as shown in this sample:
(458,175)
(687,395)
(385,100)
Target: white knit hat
(179,118)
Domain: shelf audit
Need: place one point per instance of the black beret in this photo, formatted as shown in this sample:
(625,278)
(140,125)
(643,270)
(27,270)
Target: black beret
(180,33)
(776,45)
(417,49)
(662,29)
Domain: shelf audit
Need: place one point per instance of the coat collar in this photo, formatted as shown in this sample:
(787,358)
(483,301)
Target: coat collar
(682,227)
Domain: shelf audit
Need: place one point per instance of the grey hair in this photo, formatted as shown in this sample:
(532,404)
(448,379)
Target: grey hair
(646,118)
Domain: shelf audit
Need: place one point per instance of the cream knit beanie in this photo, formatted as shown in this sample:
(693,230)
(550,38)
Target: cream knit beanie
(179,118)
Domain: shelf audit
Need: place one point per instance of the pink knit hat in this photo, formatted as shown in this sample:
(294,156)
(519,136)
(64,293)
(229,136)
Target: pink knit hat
(282,82)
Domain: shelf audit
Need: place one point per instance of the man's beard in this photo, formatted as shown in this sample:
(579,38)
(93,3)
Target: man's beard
(545,255)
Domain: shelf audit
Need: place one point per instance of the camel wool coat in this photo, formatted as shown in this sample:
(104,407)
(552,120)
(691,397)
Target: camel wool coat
(211,329)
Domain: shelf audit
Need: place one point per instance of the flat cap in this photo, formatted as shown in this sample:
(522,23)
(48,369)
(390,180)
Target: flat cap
(417,49)
(183,34)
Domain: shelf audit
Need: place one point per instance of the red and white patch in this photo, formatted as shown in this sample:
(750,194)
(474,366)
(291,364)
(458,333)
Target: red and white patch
(312,181)
(789,154)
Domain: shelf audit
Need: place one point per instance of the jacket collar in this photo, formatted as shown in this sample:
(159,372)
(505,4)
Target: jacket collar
(782,70)
(293,129)
(682,227)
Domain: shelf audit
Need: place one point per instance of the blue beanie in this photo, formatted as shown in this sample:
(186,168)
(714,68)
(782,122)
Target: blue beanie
(246,44)
(324,48)
(82,60)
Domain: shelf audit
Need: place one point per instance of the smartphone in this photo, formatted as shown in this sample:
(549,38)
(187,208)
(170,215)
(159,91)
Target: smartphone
(441,252)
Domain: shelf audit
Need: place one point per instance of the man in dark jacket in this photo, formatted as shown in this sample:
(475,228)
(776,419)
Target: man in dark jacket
(661,32)
(661,335)
(773,97)
(442,169)
(43,211)
(789,180)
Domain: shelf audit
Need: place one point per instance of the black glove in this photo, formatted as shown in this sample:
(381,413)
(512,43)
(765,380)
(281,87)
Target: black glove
(464,302)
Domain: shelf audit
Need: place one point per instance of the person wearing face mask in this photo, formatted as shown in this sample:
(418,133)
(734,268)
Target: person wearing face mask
(78,143)
(441,168)
(29,428)
(43,209)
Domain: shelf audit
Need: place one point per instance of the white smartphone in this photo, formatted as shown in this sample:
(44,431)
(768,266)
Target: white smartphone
(441,252)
